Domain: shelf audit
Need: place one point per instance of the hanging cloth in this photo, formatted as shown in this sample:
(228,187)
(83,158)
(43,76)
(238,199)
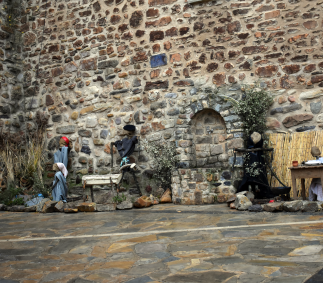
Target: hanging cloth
(63,169)
(61,156)
(59,190)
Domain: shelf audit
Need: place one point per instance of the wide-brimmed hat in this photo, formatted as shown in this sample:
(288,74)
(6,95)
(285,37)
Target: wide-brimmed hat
(130,128)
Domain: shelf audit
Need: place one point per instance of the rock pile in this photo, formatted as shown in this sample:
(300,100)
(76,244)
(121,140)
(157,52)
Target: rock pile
(48,206)
(244,201)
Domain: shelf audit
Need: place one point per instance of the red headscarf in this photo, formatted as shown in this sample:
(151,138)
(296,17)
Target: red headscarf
(66,140)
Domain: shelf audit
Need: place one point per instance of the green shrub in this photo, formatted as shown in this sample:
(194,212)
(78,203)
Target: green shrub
(253,108)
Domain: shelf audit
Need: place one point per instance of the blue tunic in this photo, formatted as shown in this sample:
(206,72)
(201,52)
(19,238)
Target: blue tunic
(61,156)
(60,190)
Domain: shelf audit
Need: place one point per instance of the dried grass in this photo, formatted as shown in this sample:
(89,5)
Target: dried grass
(23,154)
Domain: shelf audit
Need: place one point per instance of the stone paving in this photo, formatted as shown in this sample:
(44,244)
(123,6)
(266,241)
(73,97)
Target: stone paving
(164,243)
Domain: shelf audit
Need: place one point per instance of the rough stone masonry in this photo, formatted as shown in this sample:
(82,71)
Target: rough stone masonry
(161,65)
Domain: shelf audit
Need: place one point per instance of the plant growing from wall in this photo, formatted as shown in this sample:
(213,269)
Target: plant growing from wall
(164,159)
(252,108)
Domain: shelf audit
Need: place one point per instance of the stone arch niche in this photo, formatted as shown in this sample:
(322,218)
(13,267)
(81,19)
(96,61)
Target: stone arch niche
(205,176)
(209,136)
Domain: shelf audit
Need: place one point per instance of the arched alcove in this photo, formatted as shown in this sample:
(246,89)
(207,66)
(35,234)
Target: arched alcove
(209,136)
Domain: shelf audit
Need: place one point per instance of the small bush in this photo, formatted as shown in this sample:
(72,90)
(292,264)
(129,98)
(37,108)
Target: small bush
(253,108)
(164,158)
(8,195)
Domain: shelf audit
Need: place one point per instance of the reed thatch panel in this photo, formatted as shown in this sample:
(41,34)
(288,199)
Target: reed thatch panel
(289,147)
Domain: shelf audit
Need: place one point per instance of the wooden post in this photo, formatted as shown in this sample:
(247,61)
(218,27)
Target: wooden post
(92,197)
(303,188)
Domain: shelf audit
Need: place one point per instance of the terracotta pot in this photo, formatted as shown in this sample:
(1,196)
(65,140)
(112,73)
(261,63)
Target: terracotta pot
(295,163)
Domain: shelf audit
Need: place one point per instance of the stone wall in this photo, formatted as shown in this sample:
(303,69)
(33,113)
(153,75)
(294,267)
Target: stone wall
(156,64)
(11,66)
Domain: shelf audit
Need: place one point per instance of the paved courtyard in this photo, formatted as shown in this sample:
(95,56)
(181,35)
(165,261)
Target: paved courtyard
(165,243)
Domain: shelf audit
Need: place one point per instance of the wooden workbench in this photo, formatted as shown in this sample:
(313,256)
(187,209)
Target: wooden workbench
(303,172)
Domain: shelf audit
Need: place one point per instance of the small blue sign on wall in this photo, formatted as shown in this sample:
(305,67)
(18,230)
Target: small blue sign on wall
(158,60)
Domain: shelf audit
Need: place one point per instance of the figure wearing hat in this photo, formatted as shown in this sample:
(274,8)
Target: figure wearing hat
(127,145)
(315,190)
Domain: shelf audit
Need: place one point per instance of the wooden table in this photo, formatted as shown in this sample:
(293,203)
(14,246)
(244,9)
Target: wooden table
(302,172)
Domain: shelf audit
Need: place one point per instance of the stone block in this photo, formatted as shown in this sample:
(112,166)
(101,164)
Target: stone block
(106,207)
(125,205)
(59,207)
(70,210)
(91,122)
(30,208)
(158,60)
(98,141)
(48,207)
(255,208)
(208,199)
(294,120)
(242,202)
(16,208)
(314,93)
(274,207)
(198,197)
(70,129)
(204,139)
(40,205)
(212,160)
(87,207)
(293,206)
(198,177)
(310,206)
(236,143)
(142,202)
(221,198)
(202,154)
(216,149)
(166,197)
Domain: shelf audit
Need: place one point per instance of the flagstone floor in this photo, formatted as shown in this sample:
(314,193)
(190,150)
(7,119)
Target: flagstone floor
(164,243)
